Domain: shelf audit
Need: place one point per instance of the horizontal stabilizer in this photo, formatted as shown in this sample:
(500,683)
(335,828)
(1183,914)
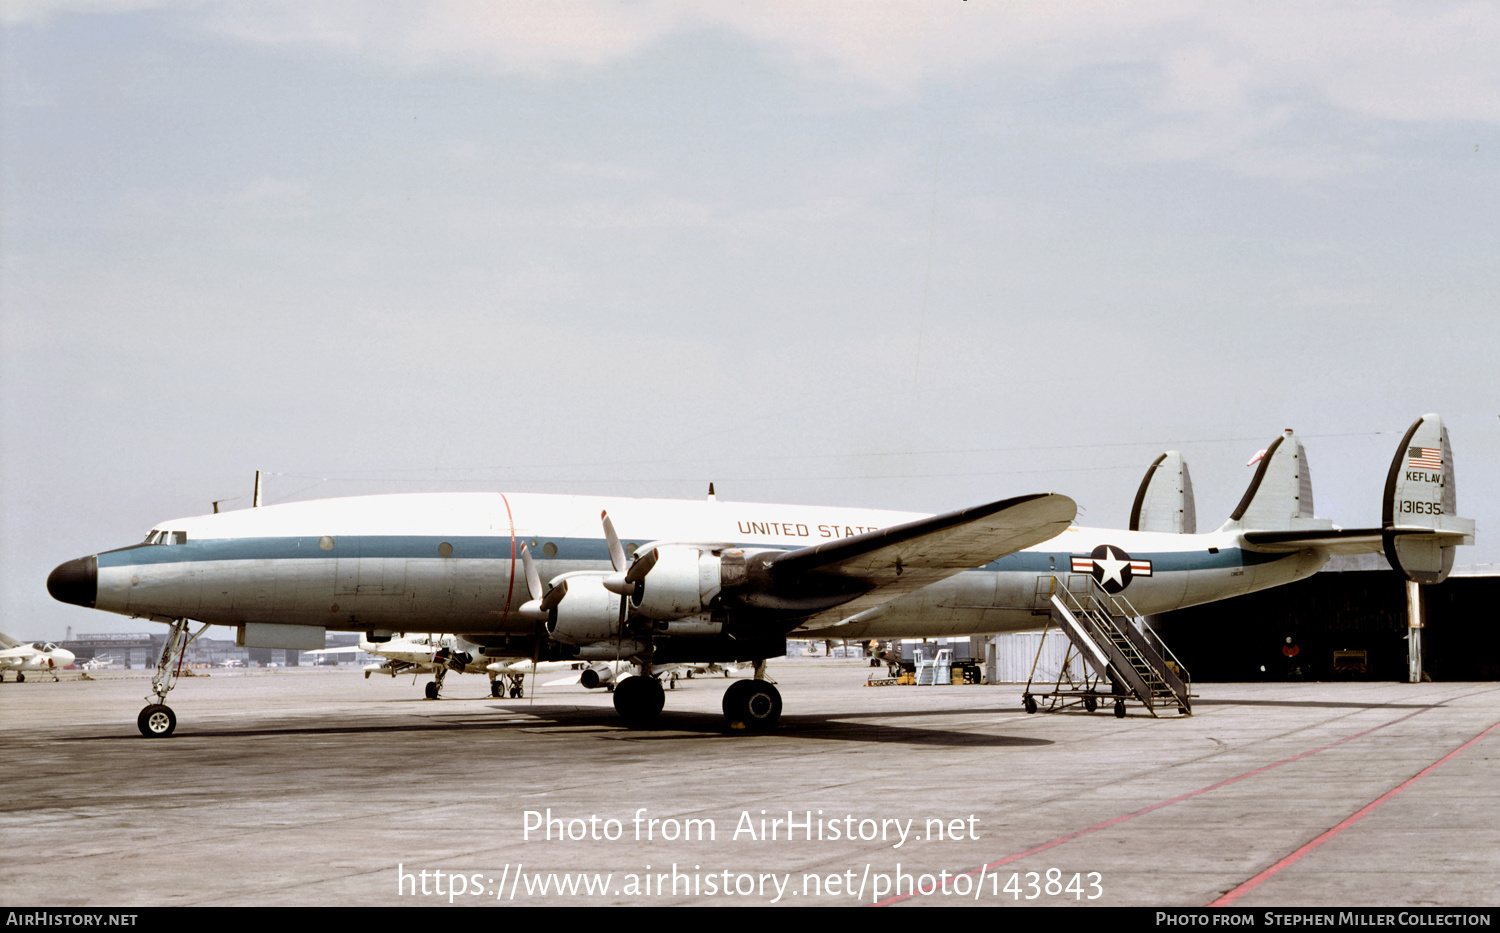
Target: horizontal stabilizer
(1334,541)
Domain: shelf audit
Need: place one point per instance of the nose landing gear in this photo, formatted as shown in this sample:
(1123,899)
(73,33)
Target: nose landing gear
(157,721)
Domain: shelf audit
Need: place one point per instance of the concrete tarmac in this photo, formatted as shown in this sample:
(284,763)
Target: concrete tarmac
(318,787)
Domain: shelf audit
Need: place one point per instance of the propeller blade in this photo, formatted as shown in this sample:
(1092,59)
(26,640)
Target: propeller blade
(641,567)
(616,552)
(554,596)
(533,578)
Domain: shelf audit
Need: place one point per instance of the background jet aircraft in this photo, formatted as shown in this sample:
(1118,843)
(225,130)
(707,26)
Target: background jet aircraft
(43,657)
(715,581)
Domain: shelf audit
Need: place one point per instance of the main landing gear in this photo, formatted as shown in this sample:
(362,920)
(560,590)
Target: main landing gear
(749,705)
(157,721)
(752,705)
(639,700)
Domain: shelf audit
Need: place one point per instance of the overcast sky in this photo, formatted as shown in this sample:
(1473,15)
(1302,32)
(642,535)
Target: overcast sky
(904,255)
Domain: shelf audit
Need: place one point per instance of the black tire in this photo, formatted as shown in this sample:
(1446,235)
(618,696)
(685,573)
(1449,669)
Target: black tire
(20,677)
(517,691)
(495,689)
(1119,709)
(1090,704)
(1028,702)
(156,721)
(432,690)
(752,705)
(639,700)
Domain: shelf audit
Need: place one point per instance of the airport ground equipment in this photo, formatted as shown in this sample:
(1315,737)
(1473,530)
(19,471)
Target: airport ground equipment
(935,670)
(1120,657)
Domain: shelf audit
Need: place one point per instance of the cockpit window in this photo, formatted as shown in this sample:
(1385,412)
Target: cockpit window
(152,535)
(166,537)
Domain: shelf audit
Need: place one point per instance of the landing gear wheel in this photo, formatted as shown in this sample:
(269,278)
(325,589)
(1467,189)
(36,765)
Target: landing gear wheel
(495,689)
(432,690)
(1028,702)
(752,705)
(639,700)
(1090,704)
(156,721)
(516,692)
(1119,709)
(20,677)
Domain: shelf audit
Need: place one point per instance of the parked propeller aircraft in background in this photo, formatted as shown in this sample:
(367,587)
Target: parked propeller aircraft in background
(712,581)
(20,657)
(437,654)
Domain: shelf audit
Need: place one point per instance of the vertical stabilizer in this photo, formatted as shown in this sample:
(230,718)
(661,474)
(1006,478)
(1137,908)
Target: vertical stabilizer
(1165,500)
(1280,494)
(1419,520)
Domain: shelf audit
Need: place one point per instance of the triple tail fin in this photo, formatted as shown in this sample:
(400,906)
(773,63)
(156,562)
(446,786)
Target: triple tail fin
(1165,500)
(1280,496)
(1419,520)
(1419,527)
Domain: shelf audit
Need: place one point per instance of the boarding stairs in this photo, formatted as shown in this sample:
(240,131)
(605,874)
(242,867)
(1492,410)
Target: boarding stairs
(936,670)
(1116,648)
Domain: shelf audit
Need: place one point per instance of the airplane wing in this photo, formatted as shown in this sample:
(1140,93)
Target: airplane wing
(24,651)
(894,561)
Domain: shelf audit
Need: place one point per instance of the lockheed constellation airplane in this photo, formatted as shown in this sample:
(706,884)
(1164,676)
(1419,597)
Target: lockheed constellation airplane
(712,581)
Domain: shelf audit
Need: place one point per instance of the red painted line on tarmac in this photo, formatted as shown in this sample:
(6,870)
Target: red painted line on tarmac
(895,899)
(1364,811)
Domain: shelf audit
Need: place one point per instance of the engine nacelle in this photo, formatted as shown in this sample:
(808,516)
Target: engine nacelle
(684,579)
(593,678)
(703,624)
(587,612)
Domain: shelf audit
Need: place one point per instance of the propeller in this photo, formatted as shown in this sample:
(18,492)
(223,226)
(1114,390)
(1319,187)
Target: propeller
(620,582)
(541,604)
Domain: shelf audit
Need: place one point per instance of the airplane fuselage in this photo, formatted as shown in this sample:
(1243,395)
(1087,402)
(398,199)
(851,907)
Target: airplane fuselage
(450,562)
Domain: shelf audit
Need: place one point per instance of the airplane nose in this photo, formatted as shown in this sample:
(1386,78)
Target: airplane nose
(76,582)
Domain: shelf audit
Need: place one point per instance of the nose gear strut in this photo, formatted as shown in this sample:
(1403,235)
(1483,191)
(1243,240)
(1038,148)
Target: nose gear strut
(157,720)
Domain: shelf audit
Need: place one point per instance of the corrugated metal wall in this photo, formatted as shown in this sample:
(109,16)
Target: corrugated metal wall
(1009,658)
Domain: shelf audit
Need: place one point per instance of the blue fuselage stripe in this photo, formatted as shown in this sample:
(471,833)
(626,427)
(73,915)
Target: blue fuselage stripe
(572,549)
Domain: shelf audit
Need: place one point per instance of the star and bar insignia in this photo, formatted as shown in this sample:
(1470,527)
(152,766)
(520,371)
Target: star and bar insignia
(1112,568)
